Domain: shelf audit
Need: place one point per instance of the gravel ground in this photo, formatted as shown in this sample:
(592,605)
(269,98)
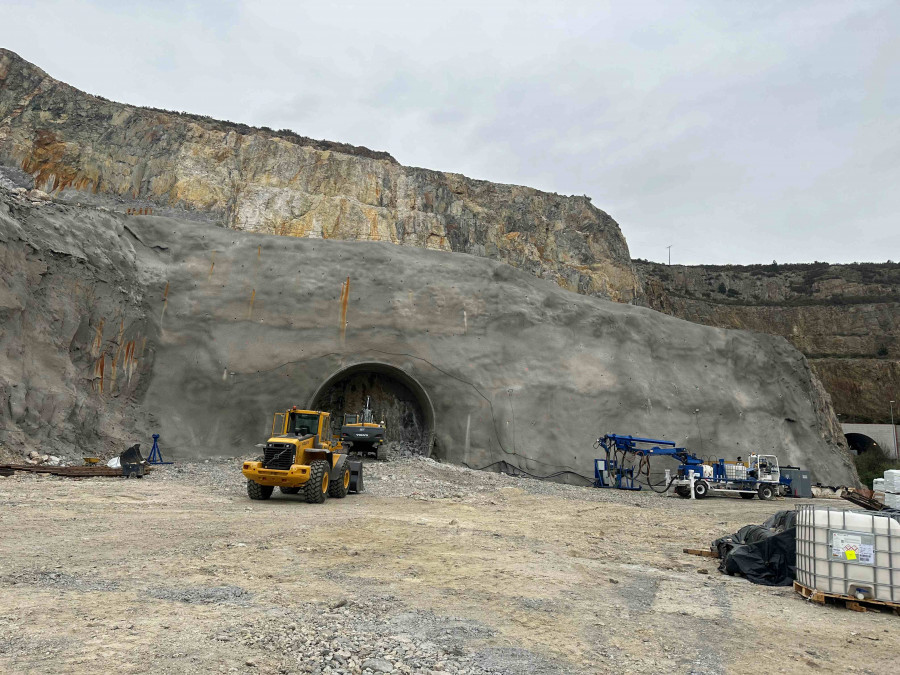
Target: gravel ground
(434,569)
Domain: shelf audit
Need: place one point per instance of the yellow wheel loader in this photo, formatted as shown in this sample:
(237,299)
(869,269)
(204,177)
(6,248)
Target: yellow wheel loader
(301,458)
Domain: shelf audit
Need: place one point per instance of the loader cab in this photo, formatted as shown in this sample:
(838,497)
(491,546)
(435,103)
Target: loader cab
(302,423)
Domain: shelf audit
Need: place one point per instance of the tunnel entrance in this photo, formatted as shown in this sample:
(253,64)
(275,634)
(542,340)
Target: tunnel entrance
(860,443)
(396,398)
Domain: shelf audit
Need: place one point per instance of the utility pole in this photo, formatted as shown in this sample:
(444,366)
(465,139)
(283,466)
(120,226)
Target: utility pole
(670,254)
(894,429)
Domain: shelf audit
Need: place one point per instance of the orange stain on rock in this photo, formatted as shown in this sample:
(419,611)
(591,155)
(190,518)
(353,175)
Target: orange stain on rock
(345,297)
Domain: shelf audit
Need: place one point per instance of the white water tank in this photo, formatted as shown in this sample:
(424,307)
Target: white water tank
(847,552)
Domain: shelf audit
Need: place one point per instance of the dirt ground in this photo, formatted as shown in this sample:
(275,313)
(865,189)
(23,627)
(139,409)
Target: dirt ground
(433,569)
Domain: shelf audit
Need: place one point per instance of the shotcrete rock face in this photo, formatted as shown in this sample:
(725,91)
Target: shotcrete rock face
(200,333)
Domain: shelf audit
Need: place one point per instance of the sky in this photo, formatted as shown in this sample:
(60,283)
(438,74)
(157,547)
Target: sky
(736,132)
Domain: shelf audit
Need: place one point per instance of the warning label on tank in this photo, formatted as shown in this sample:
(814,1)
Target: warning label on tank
(855,547)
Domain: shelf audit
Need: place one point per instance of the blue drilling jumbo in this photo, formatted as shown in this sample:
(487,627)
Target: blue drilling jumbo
(759,476)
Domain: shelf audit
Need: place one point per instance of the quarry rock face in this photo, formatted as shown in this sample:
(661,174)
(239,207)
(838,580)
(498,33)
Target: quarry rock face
(197,324)
(91,150)
(844,318)
(113,327)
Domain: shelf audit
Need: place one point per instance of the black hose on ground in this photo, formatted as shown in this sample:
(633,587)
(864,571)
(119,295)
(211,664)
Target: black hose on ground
(531,475)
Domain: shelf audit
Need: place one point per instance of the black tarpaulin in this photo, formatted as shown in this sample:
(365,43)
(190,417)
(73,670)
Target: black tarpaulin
(765,554)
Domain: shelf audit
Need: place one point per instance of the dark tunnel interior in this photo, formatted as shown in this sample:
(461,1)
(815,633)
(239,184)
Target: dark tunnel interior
(396,399)
(860,443)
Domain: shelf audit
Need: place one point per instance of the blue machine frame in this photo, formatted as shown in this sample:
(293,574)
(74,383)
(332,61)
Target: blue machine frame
(624,479)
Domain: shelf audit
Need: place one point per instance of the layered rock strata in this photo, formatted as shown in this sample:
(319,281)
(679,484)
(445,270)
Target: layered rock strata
(85,148)
(844,318)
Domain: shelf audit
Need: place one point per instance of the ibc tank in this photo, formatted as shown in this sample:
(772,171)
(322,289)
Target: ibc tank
(846,552)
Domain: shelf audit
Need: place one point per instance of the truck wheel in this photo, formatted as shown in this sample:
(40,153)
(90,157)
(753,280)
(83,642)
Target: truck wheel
(701,489)
(683,492)
(765,492)
(257,491)
(340,487)
(316,487)
(747,495)
(289,490)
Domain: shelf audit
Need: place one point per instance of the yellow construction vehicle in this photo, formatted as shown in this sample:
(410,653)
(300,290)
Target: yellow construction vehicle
(362,434)
(300,457)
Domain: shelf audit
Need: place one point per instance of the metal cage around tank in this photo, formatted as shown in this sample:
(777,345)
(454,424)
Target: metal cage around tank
(848,552)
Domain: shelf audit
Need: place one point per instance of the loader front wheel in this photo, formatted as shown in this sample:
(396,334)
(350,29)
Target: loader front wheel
(340,487)
(380,453)
(257,491)
(317,485)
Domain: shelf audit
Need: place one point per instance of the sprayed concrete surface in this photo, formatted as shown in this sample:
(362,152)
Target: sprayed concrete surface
(115,327)
(436,569)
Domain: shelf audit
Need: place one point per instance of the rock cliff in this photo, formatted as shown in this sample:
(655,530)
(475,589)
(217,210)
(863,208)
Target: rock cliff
(92,150)
(844,318)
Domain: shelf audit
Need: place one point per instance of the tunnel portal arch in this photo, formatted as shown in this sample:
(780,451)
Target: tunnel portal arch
(860,443)
(397,396)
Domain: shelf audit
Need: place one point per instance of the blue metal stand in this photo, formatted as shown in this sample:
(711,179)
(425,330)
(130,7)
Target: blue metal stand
(155,453)
(624,478)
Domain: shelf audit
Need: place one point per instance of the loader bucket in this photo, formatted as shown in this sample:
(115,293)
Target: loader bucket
(132,455)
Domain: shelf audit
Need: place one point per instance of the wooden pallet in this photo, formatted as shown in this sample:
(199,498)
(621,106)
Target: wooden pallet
(701,552)
(821,597)
(863,498)
(66,471)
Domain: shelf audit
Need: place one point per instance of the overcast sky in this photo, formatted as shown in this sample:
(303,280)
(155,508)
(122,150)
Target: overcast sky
(738,132)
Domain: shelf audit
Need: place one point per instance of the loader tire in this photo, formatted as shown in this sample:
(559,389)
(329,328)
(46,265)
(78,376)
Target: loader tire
(257,491)
(316,487)
(340,487)
(380,453)
(289,490)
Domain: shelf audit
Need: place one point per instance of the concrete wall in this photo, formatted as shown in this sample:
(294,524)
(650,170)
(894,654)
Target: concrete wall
(883,434)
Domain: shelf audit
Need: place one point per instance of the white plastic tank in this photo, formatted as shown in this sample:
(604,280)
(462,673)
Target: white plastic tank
(847,552)
(735,471)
